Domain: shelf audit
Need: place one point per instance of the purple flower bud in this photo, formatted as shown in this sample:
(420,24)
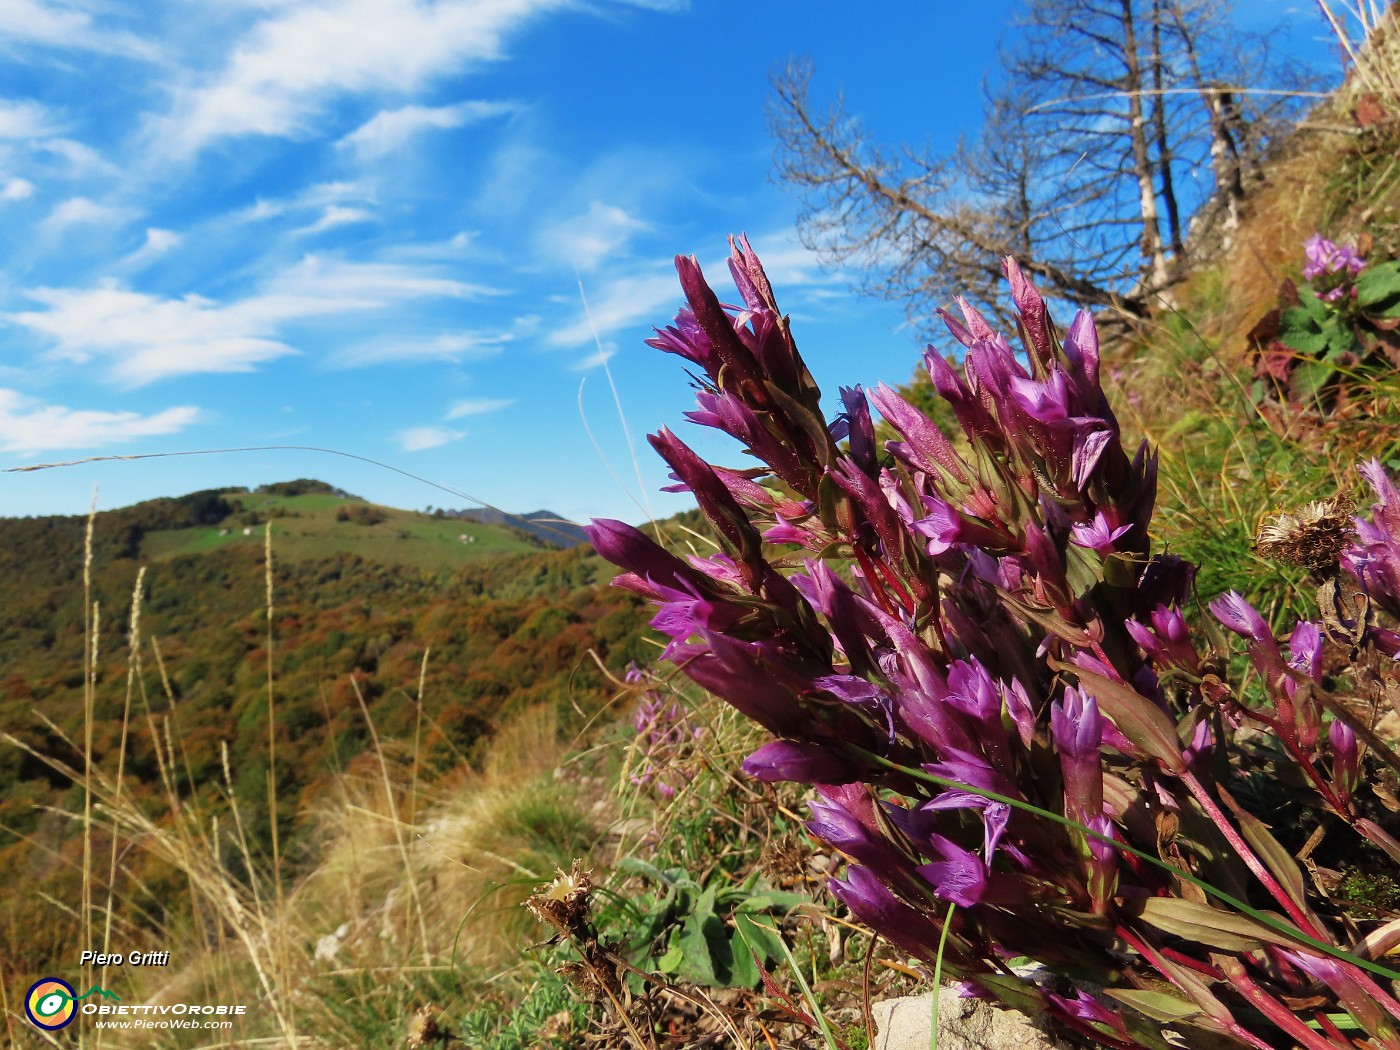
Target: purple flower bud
(1238,615)
(1168,643)
(649,565)
(859,427)
(1033,313)
(800,762)
(835,825)
(925,447)
(870,901)
(1346,759)
(1305,650)
(1077,729)
(1375,558)
(753,677)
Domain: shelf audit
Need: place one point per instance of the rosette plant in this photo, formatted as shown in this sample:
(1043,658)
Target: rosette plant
(969,647)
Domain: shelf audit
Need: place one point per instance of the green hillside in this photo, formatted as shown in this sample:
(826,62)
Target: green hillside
(372,607)
(320,525)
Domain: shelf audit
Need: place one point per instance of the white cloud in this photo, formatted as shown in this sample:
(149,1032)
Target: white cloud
(290,65)
(419,439)
(321,195)
(16,189)
(450,346)
(62,26)
(478,406)
(82,160)
(144,337)
(23,119)
(81,211)
(335,215)
(391,128)
(585,240)
(621,302)
(28,426)
(595,360)
(158,242)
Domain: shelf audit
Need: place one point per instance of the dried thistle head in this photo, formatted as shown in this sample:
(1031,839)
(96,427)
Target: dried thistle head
(1313,536)
(563,904)
(425,1029)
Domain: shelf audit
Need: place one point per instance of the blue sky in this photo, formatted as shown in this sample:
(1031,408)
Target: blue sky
(363,225)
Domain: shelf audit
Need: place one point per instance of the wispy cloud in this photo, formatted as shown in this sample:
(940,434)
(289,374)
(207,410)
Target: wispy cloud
(585,240)
(449,346)
(335,215)
(144,337)
(597,359)
(24,119)
(617,304)
(419,439)
(28,425)
(285,71)
(81,211)
(66,27)
(16,189)
(388,130)
(157,243)
(477,406)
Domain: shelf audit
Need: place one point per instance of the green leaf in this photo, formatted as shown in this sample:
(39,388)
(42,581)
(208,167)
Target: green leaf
(759,936)
(1309,378)
(636,866)
(1377,285)
(1303,332)
(1277,859)
(1160,1006)
(771,900)
(671,961)
(743,970)
(701,939)
(1229,931)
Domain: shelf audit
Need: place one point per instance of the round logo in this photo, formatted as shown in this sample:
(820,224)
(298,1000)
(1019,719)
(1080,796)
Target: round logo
(51,1004)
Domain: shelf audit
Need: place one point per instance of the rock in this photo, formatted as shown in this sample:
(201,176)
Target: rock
(963,1024)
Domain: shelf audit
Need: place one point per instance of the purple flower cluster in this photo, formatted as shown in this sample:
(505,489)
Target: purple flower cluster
(973,632)
(664,736)
(1338,262)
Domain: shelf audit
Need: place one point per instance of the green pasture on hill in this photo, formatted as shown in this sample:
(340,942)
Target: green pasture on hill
(306,527)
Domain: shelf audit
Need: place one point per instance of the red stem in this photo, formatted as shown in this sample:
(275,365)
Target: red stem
(1154,956)
(1276,1012)
(1238,844)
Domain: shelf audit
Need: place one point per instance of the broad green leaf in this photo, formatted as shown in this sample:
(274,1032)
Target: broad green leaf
(1302,332)
(743,971)
(1229,931)
(759,936)
(1275,857)
(1377,285)
(706,958)
(671,961)
(1160,1006)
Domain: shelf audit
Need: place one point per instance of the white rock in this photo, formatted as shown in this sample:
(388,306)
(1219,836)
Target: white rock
(963,1024)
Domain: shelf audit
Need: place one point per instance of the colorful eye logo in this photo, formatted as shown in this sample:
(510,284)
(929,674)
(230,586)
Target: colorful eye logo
(51,1004)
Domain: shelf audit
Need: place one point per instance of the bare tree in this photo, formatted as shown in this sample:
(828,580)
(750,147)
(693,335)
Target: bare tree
(1091,154)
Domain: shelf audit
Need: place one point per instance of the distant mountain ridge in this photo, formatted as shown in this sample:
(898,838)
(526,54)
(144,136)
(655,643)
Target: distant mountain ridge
(544,524)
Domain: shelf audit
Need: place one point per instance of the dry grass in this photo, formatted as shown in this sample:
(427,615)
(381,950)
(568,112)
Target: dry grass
(416,890)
